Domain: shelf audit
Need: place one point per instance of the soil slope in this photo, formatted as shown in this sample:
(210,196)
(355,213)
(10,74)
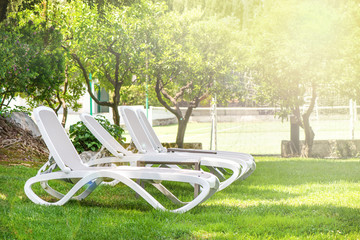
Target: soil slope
(17,144)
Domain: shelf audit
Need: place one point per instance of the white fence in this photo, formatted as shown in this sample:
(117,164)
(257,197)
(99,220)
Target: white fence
(253,130)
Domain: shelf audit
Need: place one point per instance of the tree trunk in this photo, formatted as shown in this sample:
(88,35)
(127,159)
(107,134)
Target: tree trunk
(181,132)
(116,115)
(65,114)
(3,9)
(116,102)
(62,100)
(88,82)
(182,124)
(309,137)
(309,133)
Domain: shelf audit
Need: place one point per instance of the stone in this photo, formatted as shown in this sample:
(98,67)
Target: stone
(194,145)
(332,148)
(23,121)
(87,155)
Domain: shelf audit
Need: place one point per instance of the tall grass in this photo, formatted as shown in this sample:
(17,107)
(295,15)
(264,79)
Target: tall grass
(283,199)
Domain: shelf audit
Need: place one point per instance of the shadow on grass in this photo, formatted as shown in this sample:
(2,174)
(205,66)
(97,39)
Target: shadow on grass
(131,203)
(120,196)
(123,197)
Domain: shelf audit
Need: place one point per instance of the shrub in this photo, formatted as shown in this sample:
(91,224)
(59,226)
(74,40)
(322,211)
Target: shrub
(6,111)
(84,140)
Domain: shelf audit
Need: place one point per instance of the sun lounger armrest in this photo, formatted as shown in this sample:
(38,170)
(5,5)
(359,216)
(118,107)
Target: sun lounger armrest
(191,150)
(60,164)
(120,155)
(63,167)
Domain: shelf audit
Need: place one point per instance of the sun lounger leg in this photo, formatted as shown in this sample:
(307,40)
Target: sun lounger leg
(168,194)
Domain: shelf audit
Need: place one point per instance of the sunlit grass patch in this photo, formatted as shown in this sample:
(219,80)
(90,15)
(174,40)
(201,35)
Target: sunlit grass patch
(283,199)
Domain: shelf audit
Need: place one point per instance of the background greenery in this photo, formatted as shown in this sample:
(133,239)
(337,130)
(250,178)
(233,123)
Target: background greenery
(274,52)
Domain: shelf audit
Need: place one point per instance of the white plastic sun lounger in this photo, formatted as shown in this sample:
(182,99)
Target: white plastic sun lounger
(72,169)
(144,145)
(117,150)
(245,160)
(222,154)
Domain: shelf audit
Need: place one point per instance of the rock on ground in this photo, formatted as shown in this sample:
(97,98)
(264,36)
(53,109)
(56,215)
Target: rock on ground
(25,122)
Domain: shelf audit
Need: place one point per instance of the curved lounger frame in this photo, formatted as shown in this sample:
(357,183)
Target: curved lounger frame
(72,169)
(143,143)
(125,175)
(115,148)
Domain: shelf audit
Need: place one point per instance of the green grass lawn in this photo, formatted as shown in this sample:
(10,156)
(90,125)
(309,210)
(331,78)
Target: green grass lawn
(283,199)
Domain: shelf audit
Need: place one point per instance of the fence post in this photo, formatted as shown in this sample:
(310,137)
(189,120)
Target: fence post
(213,137)
(151,116)
(91,105)
(355,111)
(352,108)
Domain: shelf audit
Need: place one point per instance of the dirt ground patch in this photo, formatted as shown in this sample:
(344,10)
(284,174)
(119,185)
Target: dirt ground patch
(18,145)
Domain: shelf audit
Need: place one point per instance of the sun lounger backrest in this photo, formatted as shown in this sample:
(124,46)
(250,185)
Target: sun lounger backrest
(137,133)
(149,130)
(56,139)
(103,136)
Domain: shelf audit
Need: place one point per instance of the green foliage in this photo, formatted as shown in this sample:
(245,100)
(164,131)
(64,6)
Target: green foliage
(84,140)
(31,62)
(188,49)
(292,48)
(215,41)
(7,111)
(136,95)
(107,42)
(244,10)
(75,90)
(71,88)
(348,69)
(191,57)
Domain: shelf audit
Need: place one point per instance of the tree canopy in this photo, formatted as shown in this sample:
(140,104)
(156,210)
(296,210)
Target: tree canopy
(295,47)
(107,44)
(31,62)
(188,57)
(187,51)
